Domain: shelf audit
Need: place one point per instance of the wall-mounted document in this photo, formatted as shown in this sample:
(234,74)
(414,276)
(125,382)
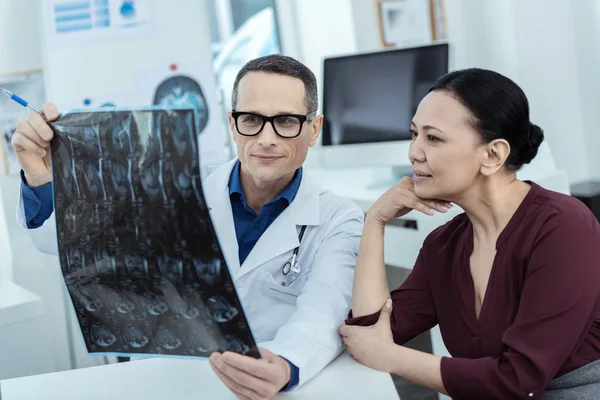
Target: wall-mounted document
(138,251)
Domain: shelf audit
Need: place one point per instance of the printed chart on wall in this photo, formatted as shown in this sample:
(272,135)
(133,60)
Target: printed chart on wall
(138,251)
(193,85)
(80,21)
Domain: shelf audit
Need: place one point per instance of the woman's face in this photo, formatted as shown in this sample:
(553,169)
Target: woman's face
(446,152)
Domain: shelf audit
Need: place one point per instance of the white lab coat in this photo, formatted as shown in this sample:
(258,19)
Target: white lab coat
(300,321)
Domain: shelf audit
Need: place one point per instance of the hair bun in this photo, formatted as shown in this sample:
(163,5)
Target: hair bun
(531,146)
(536,135)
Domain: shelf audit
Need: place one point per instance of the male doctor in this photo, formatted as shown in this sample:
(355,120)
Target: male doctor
(263,208)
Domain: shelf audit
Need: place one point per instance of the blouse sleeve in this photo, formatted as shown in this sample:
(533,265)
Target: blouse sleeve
(413,311)
(559,301)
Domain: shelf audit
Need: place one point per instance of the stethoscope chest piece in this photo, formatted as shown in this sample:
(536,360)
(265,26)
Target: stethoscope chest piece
(293,266)
(287,267)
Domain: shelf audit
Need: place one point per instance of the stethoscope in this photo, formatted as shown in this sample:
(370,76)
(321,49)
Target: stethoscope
(293,266)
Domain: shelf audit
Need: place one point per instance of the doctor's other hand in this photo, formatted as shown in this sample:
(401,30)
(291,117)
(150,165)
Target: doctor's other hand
(249,378)
(372,345)
(399,200)
(31,142)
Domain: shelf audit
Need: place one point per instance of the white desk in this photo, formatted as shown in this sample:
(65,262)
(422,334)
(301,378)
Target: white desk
(177,379)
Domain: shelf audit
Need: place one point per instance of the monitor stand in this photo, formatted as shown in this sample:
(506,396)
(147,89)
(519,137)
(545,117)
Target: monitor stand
(398,172)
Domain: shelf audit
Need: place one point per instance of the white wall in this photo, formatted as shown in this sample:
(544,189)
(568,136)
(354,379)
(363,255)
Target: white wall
(550,76)
(482,34)
(20,49)
(366,29)
(323,28)
(288,28)
(586,17)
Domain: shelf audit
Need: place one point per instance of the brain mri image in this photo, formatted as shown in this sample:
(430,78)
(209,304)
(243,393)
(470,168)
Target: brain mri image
(199,345)
(138,252)
(183,307)
(102,336)
(167,339)
(134,337)
(153,304)
(236,344)
(183,91)
(220,310)
(118,302)
(87,300)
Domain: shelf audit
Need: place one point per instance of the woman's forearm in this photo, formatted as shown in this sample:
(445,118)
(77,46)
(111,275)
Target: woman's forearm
(370,289)
(418,367)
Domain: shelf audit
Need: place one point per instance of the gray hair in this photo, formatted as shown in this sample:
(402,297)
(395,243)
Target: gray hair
(283,65)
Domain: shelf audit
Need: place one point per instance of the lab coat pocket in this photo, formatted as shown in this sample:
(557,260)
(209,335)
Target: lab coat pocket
(279,292)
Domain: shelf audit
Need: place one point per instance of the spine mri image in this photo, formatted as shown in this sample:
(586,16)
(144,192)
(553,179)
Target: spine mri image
(138,251)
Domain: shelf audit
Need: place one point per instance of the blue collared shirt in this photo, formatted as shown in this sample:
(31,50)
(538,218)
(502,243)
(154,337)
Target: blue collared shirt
(249,226)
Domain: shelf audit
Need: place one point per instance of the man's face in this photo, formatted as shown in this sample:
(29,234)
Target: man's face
(267,157)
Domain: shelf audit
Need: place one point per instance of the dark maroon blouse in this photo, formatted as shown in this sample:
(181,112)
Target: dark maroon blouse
(540,317)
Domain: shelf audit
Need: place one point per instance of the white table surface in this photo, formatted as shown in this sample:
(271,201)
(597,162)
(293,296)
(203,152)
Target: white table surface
(174,379)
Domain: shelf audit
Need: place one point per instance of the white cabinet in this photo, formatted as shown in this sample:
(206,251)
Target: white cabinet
(25,345)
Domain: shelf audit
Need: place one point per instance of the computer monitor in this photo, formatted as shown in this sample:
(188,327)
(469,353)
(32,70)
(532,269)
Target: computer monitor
(369,100)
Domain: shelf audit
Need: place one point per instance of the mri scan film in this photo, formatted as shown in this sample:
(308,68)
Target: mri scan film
(138,251)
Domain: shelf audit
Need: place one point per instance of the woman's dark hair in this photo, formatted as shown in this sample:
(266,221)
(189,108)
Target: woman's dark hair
(499,108)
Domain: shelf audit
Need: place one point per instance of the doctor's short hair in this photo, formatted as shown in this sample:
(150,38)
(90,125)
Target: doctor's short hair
(282,65)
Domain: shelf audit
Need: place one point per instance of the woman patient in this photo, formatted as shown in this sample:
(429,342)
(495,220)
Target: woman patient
(513,282)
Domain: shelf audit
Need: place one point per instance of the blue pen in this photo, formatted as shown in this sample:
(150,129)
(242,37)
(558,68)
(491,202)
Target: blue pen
(22,102)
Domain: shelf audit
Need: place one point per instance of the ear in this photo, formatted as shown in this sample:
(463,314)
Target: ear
(232,127)
(496,153)
(315,126)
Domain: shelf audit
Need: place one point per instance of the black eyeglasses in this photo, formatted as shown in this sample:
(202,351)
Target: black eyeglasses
(285,125)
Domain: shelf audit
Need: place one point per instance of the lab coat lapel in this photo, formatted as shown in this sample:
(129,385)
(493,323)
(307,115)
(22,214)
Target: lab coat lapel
(282,235)
(216,192)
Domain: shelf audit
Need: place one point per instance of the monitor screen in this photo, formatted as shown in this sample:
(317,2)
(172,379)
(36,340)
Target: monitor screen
(372,97)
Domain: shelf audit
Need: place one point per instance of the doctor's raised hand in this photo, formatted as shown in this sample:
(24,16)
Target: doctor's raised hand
(31,142)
